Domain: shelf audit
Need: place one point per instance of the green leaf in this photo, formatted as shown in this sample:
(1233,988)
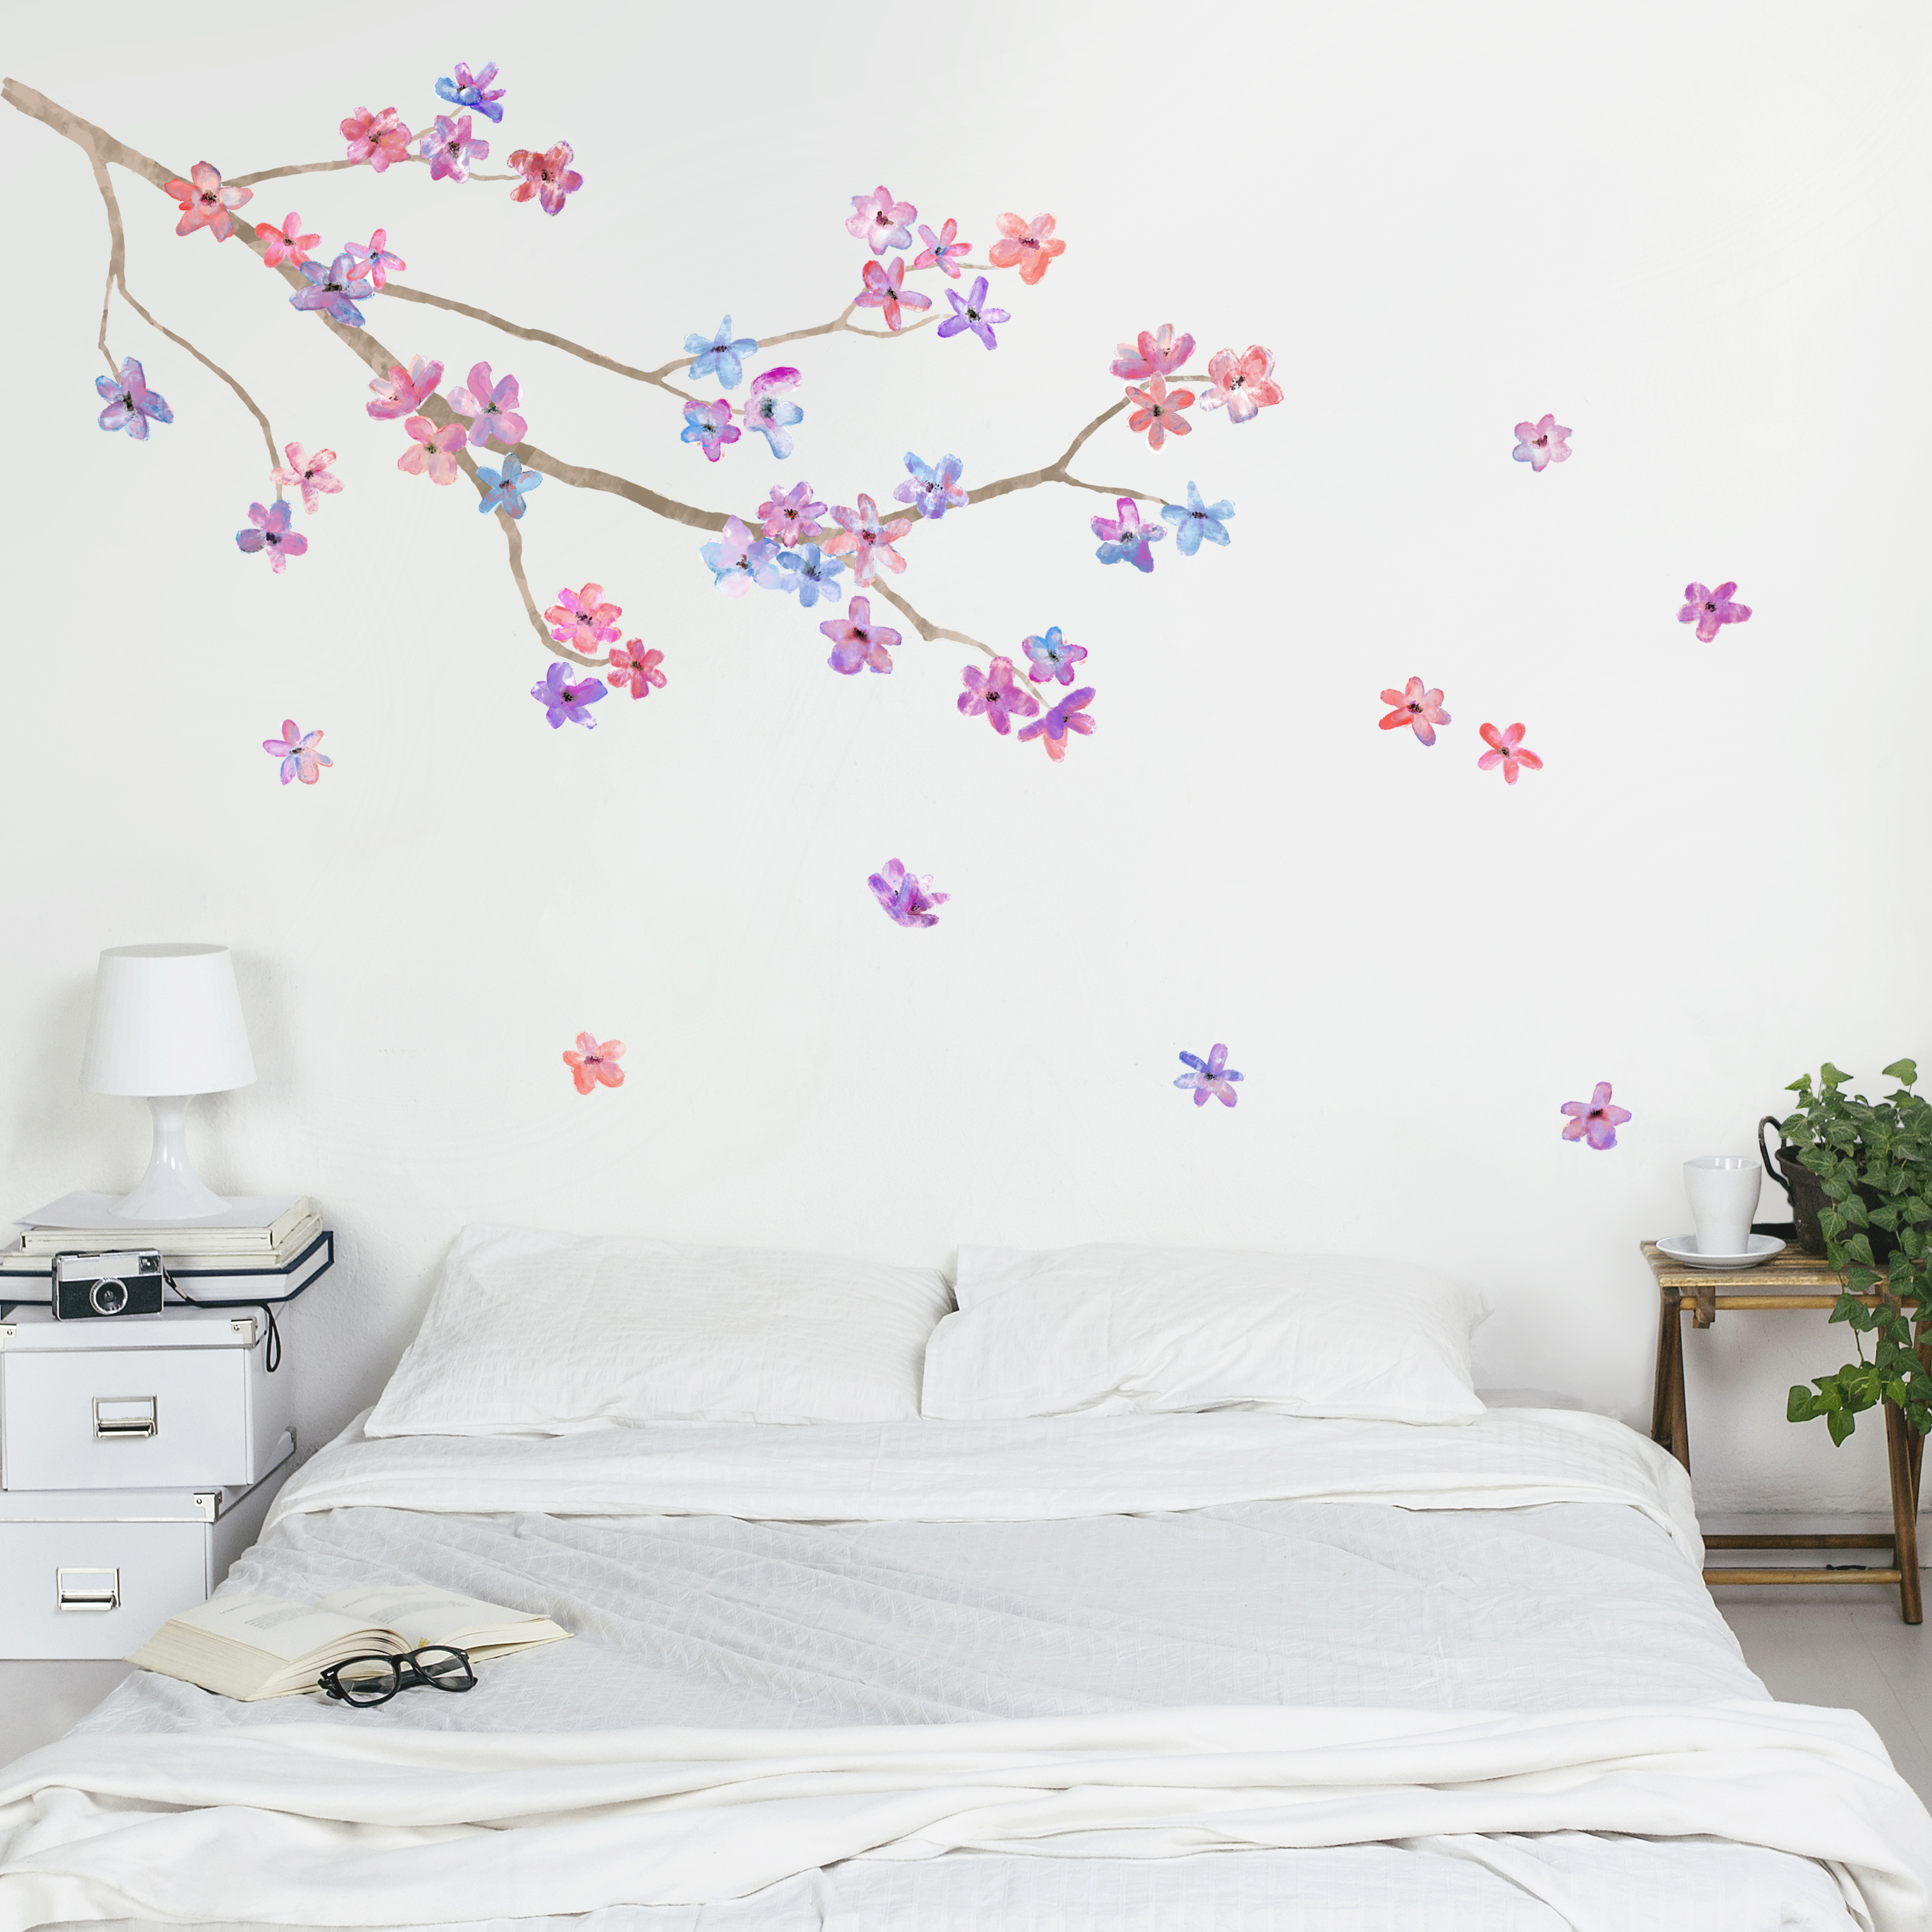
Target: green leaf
(1904,1071)
(1840,1422)
(1831,1076)
(1800,1405)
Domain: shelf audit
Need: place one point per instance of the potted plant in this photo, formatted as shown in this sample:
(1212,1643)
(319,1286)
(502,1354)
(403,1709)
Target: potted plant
(1873,1161)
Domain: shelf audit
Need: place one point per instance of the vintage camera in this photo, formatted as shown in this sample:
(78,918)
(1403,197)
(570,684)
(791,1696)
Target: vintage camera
(129,1283)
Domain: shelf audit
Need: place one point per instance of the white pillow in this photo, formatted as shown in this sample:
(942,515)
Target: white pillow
(544,1334)
(1108,1329)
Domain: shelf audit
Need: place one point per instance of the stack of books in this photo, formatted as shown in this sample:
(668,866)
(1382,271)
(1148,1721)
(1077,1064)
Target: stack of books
(263,1246)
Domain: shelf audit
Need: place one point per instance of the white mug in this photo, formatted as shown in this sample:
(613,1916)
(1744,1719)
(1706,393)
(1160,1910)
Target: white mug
(1723,1190)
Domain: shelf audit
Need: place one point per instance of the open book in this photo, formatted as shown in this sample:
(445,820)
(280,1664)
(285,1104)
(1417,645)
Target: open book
(249,1647)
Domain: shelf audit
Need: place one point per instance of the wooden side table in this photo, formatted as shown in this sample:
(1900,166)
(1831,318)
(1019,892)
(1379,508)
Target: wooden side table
(1781,1283)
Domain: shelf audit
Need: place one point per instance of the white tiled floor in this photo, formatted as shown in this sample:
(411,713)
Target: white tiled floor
(1828,1646)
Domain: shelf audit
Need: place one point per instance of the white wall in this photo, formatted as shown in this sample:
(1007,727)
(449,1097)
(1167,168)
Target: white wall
(1698,235)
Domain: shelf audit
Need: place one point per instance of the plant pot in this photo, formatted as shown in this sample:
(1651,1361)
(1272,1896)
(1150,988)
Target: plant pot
(1807,1195)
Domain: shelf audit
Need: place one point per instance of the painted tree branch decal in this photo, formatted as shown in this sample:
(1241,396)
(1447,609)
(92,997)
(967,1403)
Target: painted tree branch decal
(836,555)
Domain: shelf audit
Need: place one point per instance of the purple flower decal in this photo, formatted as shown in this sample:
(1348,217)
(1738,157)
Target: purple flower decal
(503,489)
(880,222)
(131,404)
(1540,444)
(1709,609)
(1594,1120)
(1051,656)
(856,641)
(973,313)
(719,355)
(1124,539)
(300,759)
(993,693)
(806,571)
(272,533)
(472,90)
(771,412)
(907,900)
(1212,1075)
(562,699)
(710,425)
(377,260)
(735,558)
(1051,727)
(448,148)
(334,291)
(494,410)
(791,516)
(935,491)
(939,250)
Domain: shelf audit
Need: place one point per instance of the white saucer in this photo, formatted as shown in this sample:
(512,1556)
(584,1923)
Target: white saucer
(1684,1248)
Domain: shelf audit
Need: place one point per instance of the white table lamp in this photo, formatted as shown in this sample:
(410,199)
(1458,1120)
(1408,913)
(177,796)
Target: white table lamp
(167,1025)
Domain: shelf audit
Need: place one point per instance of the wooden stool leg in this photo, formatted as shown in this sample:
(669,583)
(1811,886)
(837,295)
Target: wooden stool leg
(1680,1420)
(1904,1515)
(1659,1390)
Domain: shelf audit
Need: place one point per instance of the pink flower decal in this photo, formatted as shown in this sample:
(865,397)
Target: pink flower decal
(1540,444)
(593,1063)
(709,425)
(406,390)
(636,669)
(434,450)
(548,177)
(582,620)
(1155,352)
(377,139)
(907,900)
(272,533)
(308,474)
(300,759)
(1054,728)
(856,641)
(1159,413)
(1710,609)
(377,261)
(449,149)
(992,694)
(870,543)
(1594,1120)
(285,243)
(206,203)
(883,291)
(1212,1075)
(940,249)
(880,222)
(1422,709)
(1026,245)
(1242,385)
(1507,750)
(790,515)
(495,410)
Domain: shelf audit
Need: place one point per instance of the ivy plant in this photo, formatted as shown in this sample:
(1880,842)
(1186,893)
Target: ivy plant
(1874,1160)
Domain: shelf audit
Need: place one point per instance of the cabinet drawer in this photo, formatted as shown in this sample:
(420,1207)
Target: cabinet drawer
(134,1418)
(143,1572)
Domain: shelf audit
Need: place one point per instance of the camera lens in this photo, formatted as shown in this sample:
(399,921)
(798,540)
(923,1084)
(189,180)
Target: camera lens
(109,1297)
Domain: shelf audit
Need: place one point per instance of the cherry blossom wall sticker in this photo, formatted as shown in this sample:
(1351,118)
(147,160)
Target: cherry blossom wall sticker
(1212,1078)
(906,899)
(593,1063)
(1416,709)
(1594,1120)
(1540,444)
(296,750)
(727,394)
(1710,611)
(1507,750)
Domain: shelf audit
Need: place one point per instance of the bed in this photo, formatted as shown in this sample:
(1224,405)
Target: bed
(1091,1673)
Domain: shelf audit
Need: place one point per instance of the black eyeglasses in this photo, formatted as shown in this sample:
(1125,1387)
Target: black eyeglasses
(365,1680)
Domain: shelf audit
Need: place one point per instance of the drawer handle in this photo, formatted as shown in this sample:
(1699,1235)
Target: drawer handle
(133,1417)
(87,1589)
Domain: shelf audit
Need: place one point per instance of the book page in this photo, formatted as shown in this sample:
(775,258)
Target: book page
(277,1626)
(421,1611)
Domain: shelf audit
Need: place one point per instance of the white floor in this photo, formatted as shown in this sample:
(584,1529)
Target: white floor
(1843,1646)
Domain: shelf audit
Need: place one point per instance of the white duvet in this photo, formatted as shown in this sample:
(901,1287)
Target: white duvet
(812,1689)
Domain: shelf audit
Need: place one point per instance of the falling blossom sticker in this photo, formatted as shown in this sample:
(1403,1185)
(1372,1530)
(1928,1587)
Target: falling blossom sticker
(1213,1075)
(206,203)
(308,474)
(593,1062)
(131,404)
(1026,245)
(1709,610)
(563,699)
(907,900)
(1540,444)
(1506,749)
(1594,1120)
(272,533)
(1416,708)
(635,669)
(300,759)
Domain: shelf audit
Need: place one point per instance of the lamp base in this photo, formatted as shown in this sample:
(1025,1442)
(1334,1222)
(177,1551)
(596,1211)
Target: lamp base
(170,1190)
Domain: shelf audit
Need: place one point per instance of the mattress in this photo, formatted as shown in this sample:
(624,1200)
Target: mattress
(720,1580)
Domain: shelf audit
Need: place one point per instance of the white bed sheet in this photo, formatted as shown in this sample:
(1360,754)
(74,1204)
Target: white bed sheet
(710,1615)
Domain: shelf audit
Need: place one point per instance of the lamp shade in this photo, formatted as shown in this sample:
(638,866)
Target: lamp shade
(167,1019)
